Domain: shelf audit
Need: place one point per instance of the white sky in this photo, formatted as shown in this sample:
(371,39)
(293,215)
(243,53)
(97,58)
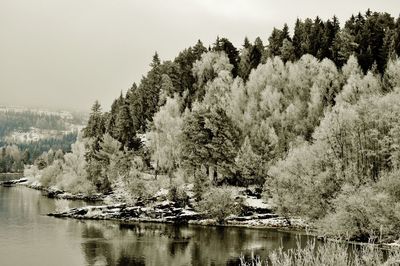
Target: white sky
(67,53)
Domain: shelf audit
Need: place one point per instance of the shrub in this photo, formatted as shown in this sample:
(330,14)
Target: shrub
(178,195)
(49,174)
(134,187)
(362,213)
(201,183)
(219,203)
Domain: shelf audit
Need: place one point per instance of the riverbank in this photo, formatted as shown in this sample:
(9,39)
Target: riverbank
(167,212)
(255,213)
(13,181)
(53,192)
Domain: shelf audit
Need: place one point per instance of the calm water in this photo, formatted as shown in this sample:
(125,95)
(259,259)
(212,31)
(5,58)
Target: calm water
(28,237)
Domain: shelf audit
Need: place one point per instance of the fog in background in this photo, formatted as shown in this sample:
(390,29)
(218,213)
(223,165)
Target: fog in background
(67,53)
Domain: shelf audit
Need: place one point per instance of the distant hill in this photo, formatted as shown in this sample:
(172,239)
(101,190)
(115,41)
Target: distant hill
(26,133)
(24,125)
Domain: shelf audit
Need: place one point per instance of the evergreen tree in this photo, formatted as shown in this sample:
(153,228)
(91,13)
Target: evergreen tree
(246,43)
(94,130)
(125,130)
(297,38)
(248,162)
(244,68)
(256,53)
(210,140)
(286,51)
(95,126)
(275,42)
(230,50)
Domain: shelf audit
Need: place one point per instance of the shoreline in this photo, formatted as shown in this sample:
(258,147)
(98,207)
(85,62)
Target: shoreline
(164,211)
(122,212)
(52,192)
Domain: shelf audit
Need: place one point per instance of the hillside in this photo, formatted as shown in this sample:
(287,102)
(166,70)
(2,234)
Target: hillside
(311,119)
(26,133)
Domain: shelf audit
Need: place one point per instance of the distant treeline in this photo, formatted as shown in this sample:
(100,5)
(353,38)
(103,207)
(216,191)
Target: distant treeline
(13,157)
(11,121)
(23,121)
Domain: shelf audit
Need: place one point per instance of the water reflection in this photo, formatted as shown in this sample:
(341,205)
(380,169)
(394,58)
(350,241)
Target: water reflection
(28,237)
(159,244)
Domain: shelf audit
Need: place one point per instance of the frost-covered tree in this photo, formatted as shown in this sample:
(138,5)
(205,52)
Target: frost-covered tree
(248,162)
(391,78)
(165,136)
(207,69)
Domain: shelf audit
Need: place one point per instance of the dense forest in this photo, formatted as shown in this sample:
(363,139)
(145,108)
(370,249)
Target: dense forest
(15,154)
(23,121)
(313,117)
(14,157)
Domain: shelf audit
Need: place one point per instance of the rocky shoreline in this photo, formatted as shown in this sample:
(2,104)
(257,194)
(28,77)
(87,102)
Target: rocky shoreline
(13,182)
(255,214)
(165,212)
(53,192)
(168,212)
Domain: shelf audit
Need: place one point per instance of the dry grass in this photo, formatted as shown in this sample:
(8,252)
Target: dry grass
(328,254)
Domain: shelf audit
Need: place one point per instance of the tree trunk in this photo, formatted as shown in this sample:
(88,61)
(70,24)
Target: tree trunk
(156,171)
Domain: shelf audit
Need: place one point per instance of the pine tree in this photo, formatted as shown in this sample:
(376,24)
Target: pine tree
(246,43)
(198,50)
(287,51)
(297,38)
(244,68)
(95,126)
(223,44)
(247,162)
(209,139)
(256,53)
(125,130)
(94,130)
(275,42)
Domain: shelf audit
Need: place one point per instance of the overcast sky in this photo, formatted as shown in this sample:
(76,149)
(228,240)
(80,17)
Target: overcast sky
(67,53)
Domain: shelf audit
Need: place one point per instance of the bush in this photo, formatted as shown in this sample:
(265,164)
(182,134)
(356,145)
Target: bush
(219,203)
(362,213)
(201,183)
(178,195)
(49,174)
(134,187)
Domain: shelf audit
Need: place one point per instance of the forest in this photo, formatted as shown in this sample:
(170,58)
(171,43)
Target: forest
(312,118)
(23,121)
(15,154)
(14,157)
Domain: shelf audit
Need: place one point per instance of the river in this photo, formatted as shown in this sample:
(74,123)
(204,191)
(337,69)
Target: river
(29,237)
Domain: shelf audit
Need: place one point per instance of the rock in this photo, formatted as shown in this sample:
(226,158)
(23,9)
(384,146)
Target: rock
(253,192)
(165,204)
(255,206)
(14,182)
